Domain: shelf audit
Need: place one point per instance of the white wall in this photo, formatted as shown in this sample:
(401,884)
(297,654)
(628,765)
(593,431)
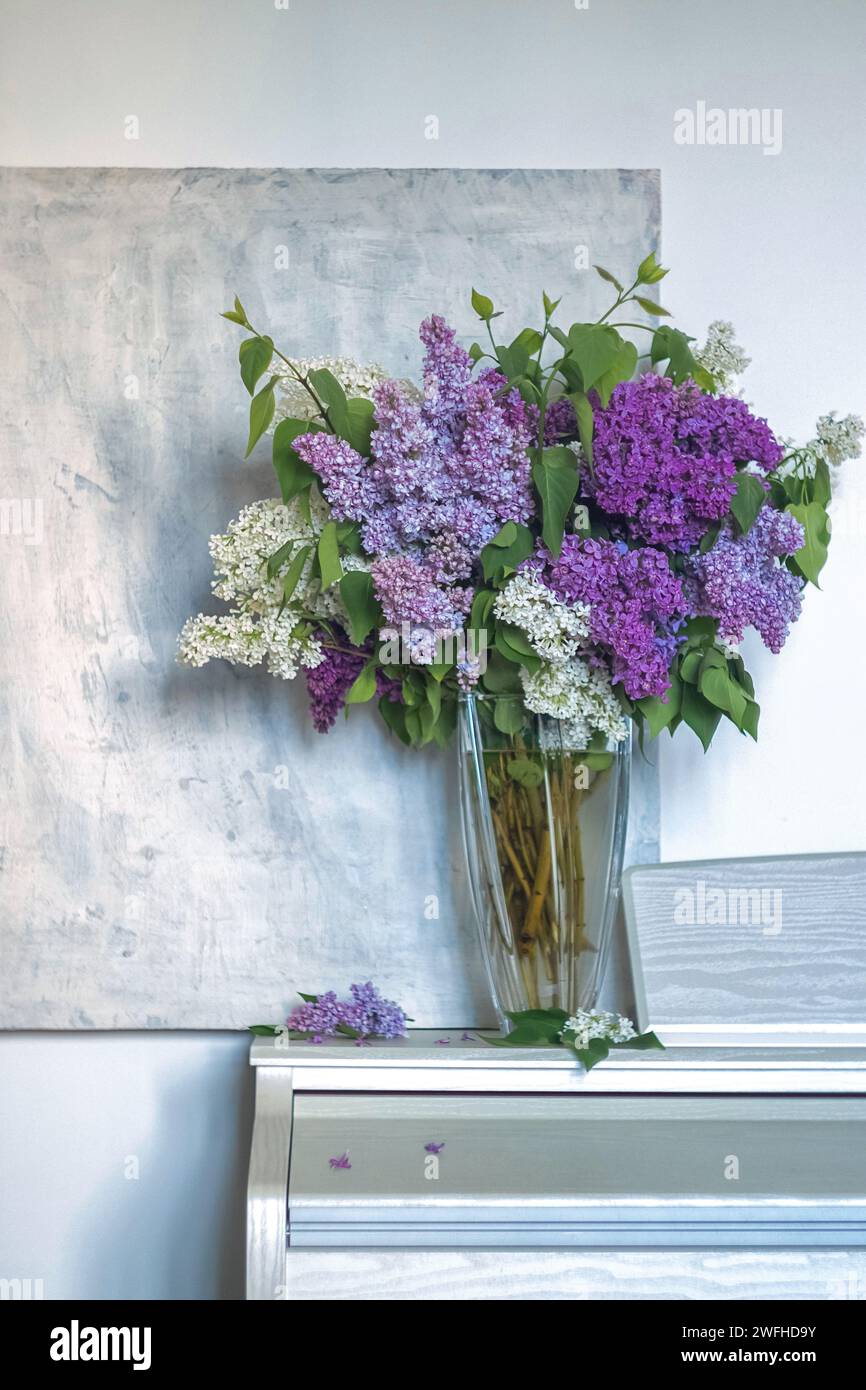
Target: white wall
(774,243)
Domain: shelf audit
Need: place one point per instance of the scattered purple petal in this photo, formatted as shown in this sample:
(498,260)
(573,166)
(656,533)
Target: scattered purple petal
(432,1148)
(341,1162)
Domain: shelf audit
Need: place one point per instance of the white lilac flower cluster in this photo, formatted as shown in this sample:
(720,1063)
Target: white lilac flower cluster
(564,687)
(261,626)
(579,696)
(722,355)
(293,400)
(835,442)
(579,1030)
(555,630)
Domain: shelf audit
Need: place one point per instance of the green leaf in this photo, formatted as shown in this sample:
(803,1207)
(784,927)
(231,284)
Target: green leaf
(357,426)
(279,558)
(822,489)
(672,346)
(701,717)
(812,555)
(293,474)
(700,631)
(501,677)
(644,1042)
(238,314)
(446,724)
(328,389)
(549,305)
(509,716)
(717,687)
(261,414)
(709,540)
(394,716)
(480,611)
(529,339)
(511,643)
(293,573)
(622,369)
(649,306)
(594,348)
(747,501)
(606,275)
(751,718)
(329,555)
(482,305)
(351,420)
(505,535)
(349,537)
(264,1030)
(597,1051)
(585,421)
(356,591)
(476,352)
(513,361)
(659,713)
(555,476)
(434,694)
(363,688)
(525,772)
(690,665)
(502,556)
(255,356)
(649,272)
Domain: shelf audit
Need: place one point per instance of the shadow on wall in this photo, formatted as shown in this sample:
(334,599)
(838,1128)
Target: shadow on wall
(125,1163)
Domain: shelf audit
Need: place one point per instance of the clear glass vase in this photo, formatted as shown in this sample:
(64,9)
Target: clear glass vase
(544,832)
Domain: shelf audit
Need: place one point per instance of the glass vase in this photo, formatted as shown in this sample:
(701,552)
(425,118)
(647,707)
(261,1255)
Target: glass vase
(544,827)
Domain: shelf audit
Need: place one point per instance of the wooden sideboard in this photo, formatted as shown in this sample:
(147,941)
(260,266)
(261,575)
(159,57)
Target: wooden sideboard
(437,1166)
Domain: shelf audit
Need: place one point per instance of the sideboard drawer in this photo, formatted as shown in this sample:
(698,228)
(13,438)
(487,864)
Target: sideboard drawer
(576,1170)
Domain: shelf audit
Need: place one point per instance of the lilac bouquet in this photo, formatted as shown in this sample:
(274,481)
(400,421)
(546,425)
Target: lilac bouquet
(566,523)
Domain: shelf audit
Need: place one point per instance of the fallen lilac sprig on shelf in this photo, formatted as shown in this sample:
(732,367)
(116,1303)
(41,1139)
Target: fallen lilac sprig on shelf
(365,1015)
(591,1034)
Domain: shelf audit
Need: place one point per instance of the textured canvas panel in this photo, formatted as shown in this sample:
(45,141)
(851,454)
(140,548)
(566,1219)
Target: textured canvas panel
(179,848)
(747,950)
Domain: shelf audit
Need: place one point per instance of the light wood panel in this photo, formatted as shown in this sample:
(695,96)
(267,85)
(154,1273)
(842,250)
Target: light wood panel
(765,950)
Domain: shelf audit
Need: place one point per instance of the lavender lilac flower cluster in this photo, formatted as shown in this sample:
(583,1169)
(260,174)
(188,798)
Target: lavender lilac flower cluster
(444,474)
(365,1015)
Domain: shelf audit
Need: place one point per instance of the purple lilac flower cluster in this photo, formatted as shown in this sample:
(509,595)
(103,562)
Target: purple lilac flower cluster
(636,605)
(740,581)
(329,683)
(366,1013)
(444,474)
(665,458)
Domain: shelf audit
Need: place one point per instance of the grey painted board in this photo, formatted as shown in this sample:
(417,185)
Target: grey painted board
(767,950)
(183,850)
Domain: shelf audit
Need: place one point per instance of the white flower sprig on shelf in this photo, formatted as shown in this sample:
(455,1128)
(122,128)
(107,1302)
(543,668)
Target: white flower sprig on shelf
(591,1034)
